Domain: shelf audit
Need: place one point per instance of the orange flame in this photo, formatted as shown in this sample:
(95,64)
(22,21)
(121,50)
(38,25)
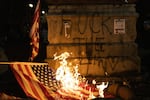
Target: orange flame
(70,78)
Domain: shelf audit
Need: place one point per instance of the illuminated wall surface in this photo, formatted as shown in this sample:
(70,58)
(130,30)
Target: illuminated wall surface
(101,38)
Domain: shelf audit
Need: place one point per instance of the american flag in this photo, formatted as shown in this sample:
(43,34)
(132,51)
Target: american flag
(34,32)
(38,81)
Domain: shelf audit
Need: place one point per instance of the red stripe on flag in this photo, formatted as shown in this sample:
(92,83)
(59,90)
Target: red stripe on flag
(29,83)
(34,32)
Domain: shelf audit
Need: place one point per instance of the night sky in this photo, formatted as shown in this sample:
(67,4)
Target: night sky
(16,16)
(15,23)
(143,23)
(12,13)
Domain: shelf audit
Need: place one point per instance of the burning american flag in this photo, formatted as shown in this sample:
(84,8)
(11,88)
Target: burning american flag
(40,82)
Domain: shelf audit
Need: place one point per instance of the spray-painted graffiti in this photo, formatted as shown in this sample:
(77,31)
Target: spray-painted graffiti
(94,46)
(111,65)
(87,26)
(99,59)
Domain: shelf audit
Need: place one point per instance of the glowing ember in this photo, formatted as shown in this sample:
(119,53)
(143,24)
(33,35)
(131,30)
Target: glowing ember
(73,83)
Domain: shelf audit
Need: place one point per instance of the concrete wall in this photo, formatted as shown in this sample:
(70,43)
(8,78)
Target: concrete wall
(101,38)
